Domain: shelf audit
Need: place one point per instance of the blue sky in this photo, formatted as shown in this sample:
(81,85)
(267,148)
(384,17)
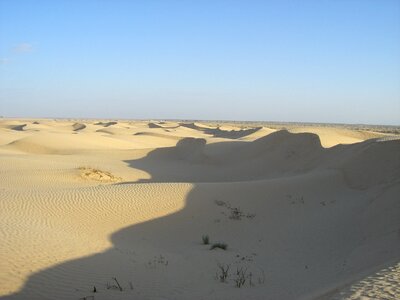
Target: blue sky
(312,61)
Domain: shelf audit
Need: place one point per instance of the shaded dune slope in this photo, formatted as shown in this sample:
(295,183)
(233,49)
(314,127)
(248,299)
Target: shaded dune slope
(78,126)
(275,155)
(18,127)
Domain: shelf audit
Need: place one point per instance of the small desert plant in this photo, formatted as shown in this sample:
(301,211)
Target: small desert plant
(87,298)
(205,239)
(157,261)
(223,272)
(250,216)
(236,214)
(111,286)
(241,277)
(222,246)
(261,279)
(115,279)
(220,203)
(251,279)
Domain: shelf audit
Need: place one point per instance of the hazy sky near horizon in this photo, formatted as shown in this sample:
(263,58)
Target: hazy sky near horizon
(310,61)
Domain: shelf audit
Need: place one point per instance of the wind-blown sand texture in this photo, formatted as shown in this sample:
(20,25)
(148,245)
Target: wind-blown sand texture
(309,213)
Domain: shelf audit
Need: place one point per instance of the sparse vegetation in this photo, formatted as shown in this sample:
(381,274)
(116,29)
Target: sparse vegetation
(205,239)
(90,173)
(241,277)
(87,298)
(251,279)
(261,279)
(115,279)
(220,203)
(113,285)
(222,246)
(222,275)
(236,214)
(158,260)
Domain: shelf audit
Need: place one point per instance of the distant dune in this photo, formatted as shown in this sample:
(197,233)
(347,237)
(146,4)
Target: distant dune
(106,124)
(78,126)
(94,209)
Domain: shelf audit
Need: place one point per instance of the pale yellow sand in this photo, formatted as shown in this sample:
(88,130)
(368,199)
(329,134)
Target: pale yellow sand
(332,136)
(311,214)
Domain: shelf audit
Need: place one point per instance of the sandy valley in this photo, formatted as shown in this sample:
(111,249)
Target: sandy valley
(106,209)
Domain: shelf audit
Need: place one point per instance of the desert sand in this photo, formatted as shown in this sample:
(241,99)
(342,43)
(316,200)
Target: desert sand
(121,207)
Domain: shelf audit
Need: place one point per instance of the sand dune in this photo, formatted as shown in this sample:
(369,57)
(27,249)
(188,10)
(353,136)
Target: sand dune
(309,213)
(222,131)
(78,126)
(158,135)
(18,127)
(163,125)
(112,131)
(154,125)
(275,155)
(106,124)
(65,143)
(333,136)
